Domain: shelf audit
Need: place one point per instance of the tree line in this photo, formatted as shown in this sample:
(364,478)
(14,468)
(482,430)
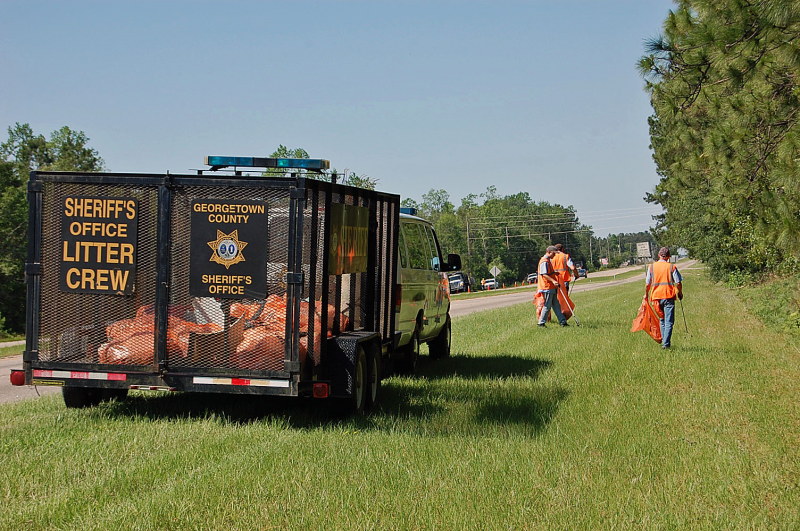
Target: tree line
(23,151)
(723,82)
(512,232)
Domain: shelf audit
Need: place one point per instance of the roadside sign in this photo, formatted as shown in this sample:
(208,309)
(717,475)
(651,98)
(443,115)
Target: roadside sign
(494,271)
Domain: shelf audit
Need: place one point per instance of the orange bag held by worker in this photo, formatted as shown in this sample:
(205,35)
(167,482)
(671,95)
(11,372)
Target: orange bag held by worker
(563,299)
(648,321)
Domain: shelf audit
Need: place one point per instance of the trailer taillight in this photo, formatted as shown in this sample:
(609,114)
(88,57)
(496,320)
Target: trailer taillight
(17,377)
(320,390)
(398,297)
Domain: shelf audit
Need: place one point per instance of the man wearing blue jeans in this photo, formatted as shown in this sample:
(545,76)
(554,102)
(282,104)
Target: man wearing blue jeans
(548,287)
(666,282)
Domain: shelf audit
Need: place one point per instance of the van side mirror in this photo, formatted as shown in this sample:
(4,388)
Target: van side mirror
(453,262)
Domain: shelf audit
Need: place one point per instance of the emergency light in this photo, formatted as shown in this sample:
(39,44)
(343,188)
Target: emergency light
(217,163)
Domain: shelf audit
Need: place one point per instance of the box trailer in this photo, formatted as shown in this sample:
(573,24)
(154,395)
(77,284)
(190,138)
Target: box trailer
(223,283)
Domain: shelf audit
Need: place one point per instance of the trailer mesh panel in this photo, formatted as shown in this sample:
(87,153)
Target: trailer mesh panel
(60,339)
(243,345)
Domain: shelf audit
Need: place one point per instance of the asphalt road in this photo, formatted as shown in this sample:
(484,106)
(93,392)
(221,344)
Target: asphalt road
(10,393)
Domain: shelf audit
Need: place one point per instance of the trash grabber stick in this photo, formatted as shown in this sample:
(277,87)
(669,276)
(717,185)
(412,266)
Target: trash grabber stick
(578,323)
(684,318)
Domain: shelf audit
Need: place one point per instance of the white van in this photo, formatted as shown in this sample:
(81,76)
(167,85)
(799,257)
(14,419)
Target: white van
(423,292)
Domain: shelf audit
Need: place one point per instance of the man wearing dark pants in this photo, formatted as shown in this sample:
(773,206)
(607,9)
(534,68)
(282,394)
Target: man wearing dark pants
(666,283)
(548,287)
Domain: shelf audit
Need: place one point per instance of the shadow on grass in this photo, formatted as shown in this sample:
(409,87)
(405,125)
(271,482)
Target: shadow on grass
(459,395)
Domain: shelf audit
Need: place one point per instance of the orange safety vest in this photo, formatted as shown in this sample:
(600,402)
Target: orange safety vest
(560,266)
(661,280)
(545,284)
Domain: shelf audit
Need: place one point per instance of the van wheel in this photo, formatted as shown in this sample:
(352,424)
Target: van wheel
(440,347)
(81,397)
(374,378)
(412,354)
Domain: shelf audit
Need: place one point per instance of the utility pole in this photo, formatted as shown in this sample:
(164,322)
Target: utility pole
(469,249)
(508,245)
(591,258)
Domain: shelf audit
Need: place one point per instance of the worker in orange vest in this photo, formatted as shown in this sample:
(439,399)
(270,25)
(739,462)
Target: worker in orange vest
(548,287)
(666,284)
(562,263)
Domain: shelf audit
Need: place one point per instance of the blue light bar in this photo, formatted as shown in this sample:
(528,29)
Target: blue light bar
(266,162)
(411,211)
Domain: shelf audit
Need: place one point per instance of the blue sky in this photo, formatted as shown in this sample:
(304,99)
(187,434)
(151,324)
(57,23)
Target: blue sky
(539,96)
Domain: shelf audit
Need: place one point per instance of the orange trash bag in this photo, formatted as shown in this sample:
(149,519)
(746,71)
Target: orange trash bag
(538,301)
(648,321)
(566,303)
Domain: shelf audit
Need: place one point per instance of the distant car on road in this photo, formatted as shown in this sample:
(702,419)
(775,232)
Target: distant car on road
(458,282)
(532,278)
(491,283)
(582,272)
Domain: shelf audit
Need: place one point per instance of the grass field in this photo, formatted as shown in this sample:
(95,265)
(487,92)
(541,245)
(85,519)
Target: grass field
(587,427)
(11,351)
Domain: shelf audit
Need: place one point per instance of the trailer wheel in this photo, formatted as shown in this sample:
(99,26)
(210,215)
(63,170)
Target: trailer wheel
(440,347)
(81,397)
(356,403)
(374,378)
(115,394)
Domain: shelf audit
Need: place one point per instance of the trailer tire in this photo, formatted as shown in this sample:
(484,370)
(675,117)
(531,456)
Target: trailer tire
(115,394)
(356,403)
(374,378)
(81,397)
(440,347)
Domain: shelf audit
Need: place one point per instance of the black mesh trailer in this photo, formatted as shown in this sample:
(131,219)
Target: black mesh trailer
(209,283)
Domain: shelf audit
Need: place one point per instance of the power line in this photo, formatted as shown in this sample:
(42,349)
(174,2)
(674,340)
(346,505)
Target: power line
(571,213)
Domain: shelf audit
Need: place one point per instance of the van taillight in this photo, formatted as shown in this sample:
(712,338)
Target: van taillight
(398,297)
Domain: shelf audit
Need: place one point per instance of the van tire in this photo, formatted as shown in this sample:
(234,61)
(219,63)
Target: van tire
(440,347)
(81,397)
(411,356)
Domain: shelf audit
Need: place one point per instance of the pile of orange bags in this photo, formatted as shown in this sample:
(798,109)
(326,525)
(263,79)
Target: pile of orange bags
(263,345)
(132,341)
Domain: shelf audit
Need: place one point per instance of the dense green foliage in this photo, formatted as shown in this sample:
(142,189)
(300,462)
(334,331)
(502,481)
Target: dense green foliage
(66,150)
(347,177)
(723,81)
(512,233)
(776,303)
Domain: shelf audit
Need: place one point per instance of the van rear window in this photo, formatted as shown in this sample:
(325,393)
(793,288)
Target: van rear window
(417,244)
(403,253)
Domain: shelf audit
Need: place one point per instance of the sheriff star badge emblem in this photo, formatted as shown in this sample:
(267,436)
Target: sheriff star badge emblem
(227,249)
